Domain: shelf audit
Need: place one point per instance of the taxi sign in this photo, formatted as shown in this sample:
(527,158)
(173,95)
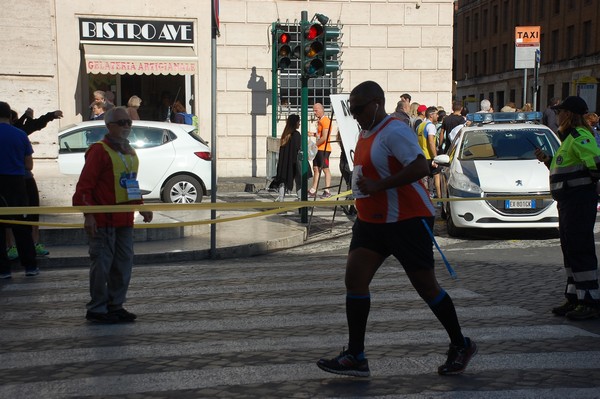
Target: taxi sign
(527,42)
(527,36)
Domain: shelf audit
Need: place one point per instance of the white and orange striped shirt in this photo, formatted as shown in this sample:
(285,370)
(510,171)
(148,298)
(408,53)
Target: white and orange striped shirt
(383,152)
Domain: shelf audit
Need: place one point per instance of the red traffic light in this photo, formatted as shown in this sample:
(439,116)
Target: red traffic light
(314,31)
(284,38)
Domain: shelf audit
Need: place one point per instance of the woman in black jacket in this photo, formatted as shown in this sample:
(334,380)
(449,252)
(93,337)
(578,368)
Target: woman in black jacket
(288,167)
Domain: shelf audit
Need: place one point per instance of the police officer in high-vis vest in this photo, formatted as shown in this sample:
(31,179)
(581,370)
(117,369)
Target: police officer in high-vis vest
(109,177)
(574,174)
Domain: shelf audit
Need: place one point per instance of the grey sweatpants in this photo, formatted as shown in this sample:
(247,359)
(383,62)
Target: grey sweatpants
(111,255)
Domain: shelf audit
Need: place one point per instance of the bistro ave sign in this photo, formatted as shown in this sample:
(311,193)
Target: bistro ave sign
(136,31)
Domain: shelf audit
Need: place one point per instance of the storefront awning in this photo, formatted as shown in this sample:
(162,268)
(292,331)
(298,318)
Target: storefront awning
(140,60)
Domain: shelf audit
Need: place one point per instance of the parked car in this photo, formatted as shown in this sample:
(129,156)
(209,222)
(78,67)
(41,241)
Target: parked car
(494,157)
(175,162)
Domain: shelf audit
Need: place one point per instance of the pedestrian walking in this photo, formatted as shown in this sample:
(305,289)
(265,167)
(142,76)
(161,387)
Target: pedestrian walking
(574,174)
(289,169)
(395,217)
(109,177)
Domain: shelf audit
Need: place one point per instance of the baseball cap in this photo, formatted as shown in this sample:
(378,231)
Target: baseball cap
(422,108)
(575,104)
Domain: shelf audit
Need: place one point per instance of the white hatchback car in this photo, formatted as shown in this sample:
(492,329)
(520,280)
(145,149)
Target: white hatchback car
(494,157)
(175,162)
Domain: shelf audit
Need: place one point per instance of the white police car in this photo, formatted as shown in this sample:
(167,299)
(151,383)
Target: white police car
(494,158)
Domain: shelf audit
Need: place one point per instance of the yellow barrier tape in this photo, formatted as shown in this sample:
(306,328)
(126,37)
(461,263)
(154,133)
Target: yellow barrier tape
(219,206)
(160,225)
(223,206)
(273,208)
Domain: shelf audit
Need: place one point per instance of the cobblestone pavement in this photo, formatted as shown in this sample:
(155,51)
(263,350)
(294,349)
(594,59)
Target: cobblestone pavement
(254,327)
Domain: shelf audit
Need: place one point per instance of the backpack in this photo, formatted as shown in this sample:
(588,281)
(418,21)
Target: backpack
(189,118)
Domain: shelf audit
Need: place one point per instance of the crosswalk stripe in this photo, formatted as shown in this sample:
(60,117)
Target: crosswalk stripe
(172,277)
(482,335)
(384,297)
(198,289)
(228,376)
(289,320)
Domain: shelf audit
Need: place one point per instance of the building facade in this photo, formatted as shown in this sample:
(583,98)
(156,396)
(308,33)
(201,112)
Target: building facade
(158,52)
(484,51)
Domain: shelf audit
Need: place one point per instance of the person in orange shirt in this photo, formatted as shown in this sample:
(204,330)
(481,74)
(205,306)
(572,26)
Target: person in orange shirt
(321,161)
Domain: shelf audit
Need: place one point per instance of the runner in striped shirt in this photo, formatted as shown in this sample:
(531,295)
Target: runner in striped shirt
(395,217)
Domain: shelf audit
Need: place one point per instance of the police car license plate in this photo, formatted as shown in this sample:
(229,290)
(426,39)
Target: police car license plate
(519,204)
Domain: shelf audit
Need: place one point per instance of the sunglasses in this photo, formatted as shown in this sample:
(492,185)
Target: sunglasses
(357,110)
(123,122)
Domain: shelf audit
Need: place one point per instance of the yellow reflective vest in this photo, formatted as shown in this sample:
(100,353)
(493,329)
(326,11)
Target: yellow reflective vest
(576,164)
(125,166)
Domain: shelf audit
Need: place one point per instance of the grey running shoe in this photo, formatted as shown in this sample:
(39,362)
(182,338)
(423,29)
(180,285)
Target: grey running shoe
(458,358)
(345,364)
(32,272)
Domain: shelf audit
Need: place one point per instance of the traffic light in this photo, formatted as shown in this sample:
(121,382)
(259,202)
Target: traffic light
(284,50)
(331,48)
(311,53)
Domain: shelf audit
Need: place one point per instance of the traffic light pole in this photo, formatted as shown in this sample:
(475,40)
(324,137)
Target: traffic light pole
(275,84)
(304,128)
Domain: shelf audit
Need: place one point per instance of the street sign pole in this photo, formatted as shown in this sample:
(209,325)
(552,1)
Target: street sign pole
(536,72)
(524,86)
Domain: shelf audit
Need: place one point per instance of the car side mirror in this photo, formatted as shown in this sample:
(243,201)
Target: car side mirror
(442,160)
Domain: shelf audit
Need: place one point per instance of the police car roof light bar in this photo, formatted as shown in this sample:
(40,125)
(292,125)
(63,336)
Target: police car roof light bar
(489,117)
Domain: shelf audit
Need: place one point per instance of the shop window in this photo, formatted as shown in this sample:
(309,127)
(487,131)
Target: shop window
(290,85)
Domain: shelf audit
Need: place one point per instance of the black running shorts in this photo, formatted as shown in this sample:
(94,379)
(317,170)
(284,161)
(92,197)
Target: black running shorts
(408,240)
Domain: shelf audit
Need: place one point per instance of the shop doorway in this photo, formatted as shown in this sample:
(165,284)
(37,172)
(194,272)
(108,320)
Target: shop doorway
(156,91)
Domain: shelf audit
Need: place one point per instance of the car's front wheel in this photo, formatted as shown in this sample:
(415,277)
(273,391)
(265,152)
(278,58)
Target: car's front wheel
(182,189)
